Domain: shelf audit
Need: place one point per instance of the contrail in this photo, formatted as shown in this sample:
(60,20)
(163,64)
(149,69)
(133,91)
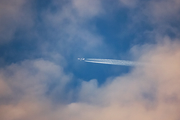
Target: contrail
(109,61)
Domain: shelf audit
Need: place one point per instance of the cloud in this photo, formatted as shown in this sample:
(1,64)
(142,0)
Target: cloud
(13,15)
(151,20)
(25,89)
(147,92)
(88,8)
(69,27)
(40,89)
(129,3)
(51,29)
(164,10)
(163,15)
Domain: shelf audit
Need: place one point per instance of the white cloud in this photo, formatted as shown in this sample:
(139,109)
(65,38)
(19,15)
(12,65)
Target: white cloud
(68,25)
(147,92)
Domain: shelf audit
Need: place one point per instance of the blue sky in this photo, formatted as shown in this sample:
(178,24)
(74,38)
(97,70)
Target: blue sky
(41,78)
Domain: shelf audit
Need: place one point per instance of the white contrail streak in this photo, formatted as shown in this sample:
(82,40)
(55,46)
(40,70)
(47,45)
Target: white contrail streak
(110,61)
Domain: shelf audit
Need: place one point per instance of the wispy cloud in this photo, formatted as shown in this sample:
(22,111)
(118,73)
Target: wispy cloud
(14,15)
(41,87)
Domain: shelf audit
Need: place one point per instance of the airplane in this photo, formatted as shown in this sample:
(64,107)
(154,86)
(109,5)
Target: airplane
(81,59)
